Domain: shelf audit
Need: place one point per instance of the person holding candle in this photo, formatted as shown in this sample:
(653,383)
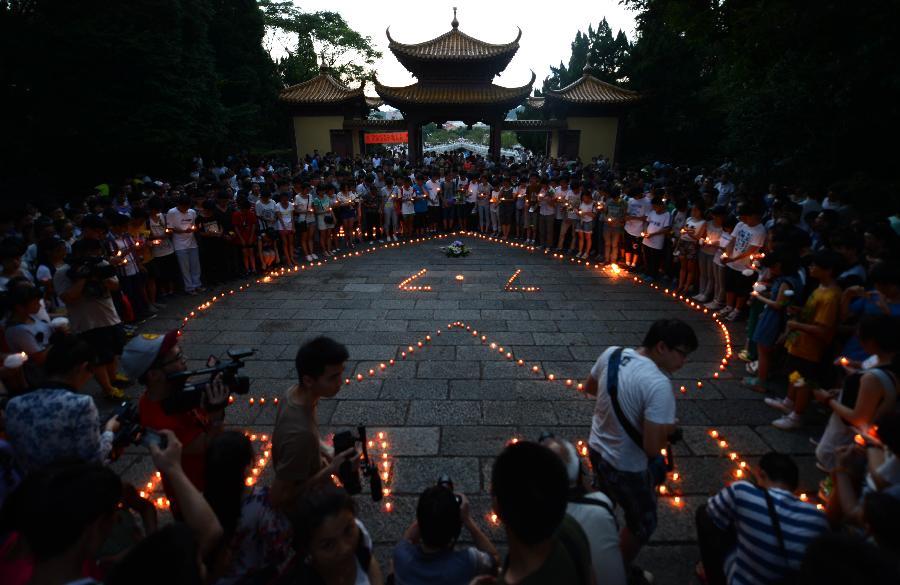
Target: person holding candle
(747,239)
(659,224)
(390,200)
(689,237)
(547,204)
(408,197)
(708,252)
(163,268)
(507,207)
(306,221)
(614,227)
(584,228)
(322,203)
(245,229)
(181,219)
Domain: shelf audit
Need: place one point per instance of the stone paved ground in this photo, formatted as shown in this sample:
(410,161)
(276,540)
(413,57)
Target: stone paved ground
(451,406)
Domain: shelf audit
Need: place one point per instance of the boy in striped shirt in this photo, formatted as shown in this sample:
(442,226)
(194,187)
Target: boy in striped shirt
(757,534)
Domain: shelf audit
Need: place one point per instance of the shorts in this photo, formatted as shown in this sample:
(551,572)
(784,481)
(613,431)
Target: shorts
(421,219)
(434,214)
(585,227)
(632,491)
(737,283)
(632,243)
(448,212)
(687,249)
(320,222)
(811,371)
(347,213)
(163,267)
(106,341)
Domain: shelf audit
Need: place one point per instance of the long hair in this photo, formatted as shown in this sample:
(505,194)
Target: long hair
(227,459)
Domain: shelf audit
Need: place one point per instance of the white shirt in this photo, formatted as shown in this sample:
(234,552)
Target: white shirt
(724,240)
(266,212)
(409,196)
(566,195)
(645,394)
(158,232)
(302,205)
(603,537)
(285,216)
(638,208)
(573,201)
(693,227)
(587,212)
(182,221)
(433,189)
(744,237)
(656,222)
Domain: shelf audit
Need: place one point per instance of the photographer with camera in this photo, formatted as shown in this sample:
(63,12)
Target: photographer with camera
(633,419)
(157,362)
(299,456)
(56,422)
(428,553)
(84,284)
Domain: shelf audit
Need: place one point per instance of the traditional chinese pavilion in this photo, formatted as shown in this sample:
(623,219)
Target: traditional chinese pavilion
(455,75)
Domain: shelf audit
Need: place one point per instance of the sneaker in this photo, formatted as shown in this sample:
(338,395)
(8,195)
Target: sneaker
(783,404)
(735,315)
(788,422)
(379,241)
(745,355)
(713,306)
(314,257)
(700,298)
(752,368)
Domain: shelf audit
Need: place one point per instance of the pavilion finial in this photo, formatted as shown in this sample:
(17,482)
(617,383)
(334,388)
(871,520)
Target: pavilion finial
(323,67)
(454,23)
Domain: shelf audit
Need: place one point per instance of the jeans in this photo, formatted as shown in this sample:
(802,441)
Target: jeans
(390,222)
(484,213)
(189,263)
(547,225)
(495,219)
(705,268)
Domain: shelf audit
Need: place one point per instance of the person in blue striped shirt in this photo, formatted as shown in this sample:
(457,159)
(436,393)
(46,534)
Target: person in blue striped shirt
(757,534)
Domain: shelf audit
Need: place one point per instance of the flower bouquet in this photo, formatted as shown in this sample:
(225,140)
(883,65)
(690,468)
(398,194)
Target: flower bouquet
(456,250)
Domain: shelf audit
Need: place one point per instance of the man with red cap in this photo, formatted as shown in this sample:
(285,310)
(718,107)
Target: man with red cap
(153,359)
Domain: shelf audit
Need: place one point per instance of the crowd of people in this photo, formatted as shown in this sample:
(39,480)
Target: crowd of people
(815,280)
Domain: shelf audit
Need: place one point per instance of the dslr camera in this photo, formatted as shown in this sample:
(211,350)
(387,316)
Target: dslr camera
(445,482)
(189,396)
(350,476)
(131,432)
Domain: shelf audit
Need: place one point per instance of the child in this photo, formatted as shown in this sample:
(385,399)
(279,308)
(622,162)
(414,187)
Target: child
(495,209)
(638,206)
(781,268)
(346,213)
(748,237)
(306,221)
(659,223)
(245,229)
(584,229)
(390,197)
(268,249)
(693,231)
(507,208)
(420,205)
(709,250)
(614,227)
(408,196)
(284,221)
(719,267)
(547,202)
(322,204)
(808,339)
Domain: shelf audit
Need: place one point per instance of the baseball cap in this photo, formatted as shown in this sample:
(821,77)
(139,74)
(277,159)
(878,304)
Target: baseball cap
(140,353)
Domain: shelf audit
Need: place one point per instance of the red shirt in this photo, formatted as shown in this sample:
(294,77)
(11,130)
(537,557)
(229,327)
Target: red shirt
(187,426)
(245,222)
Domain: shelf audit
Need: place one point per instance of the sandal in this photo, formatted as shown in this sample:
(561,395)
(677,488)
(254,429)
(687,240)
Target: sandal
(700,571)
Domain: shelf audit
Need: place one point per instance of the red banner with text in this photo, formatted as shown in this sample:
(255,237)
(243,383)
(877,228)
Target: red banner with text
(387,137)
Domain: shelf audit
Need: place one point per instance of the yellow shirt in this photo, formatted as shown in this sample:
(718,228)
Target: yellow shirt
(821,309)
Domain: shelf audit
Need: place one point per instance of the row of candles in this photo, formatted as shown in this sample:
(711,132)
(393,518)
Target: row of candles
(612,270)
(512,288)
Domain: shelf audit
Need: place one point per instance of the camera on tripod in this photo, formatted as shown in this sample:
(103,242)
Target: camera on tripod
(131,432)
(349,476)
(190,396)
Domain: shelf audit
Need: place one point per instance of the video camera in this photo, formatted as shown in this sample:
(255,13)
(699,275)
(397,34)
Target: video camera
(350,477)
(131,432)
(95,270)
(190,396)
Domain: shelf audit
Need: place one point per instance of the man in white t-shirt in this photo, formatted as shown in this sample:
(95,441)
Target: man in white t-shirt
(747,239)
(626,454)
(181,219)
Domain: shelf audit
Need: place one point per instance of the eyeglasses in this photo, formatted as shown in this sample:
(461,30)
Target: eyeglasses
(179,357)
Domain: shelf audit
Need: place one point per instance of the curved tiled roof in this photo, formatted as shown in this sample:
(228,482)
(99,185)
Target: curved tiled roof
(535,102)
(321,89)
(457,94)
(453,45)
(590,90)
